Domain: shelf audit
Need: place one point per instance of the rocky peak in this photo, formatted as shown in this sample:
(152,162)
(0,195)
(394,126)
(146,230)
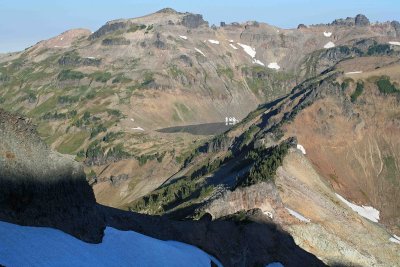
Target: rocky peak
(193,21)
(361,20)
(168,10)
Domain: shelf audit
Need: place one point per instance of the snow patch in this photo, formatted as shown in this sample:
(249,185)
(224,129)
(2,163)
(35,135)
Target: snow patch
(138,128)
(231,41)
(62,38)
(256,61)
(368,212)
(269,214)
(329,45)
(234,47)
(183,37)
(394,43)
(275,264)
(248,49)
(327,34)
(395,239)
(301,148)
(41,246)
(353,72)
(132,119)
(274,65)
(298,215)
(213,41)
(199,51)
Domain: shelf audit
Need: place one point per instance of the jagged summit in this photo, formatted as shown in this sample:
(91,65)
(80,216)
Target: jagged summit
(168,10)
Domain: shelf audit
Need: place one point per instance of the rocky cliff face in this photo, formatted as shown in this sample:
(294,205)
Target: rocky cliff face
(43,188)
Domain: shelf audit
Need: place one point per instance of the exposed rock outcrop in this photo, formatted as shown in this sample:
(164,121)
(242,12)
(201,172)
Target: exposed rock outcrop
(39,187)
(193,21)
(361,20)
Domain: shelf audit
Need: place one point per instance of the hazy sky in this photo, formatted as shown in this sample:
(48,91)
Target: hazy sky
(25,22)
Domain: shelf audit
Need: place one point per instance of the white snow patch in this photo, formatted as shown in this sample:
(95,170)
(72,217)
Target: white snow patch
(395,239)
(138,128)
(62,38)
(58,46)
(213,41)
(234,47)
(301,148)
(329,45)
(231,41)
(132,119)
(41,246)
(248,49)
(298,215)
(277,31)
(256,61)
(368,212)
(199,51)
(327,34)
(183,37)
(353,72)
(274,65)
(269,214)
(275,264)
(394,43)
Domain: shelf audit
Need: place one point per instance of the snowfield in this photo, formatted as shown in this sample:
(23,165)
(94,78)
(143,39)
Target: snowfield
(248,49)
(234,47)
(327,34)
(329,45)
(301,148)
(256,61)
(394,43)
(370,213)
(298,215)
(39,246)
(213,41)
(199,51)
(274,65)
(183,37)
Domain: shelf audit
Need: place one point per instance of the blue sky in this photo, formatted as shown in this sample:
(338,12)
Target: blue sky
(25,22)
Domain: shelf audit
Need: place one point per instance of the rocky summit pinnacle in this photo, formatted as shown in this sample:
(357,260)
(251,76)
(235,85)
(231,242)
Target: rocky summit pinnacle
(361,20)
(168,10)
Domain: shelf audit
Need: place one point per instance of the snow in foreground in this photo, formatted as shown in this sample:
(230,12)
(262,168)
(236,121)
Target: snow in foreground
(327,34)
(298,215)
(36,246)
(370,213)
(329,45)
(275,264)
(183,37)
(395,239)
(274,65)
(301,148)
(394,43)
